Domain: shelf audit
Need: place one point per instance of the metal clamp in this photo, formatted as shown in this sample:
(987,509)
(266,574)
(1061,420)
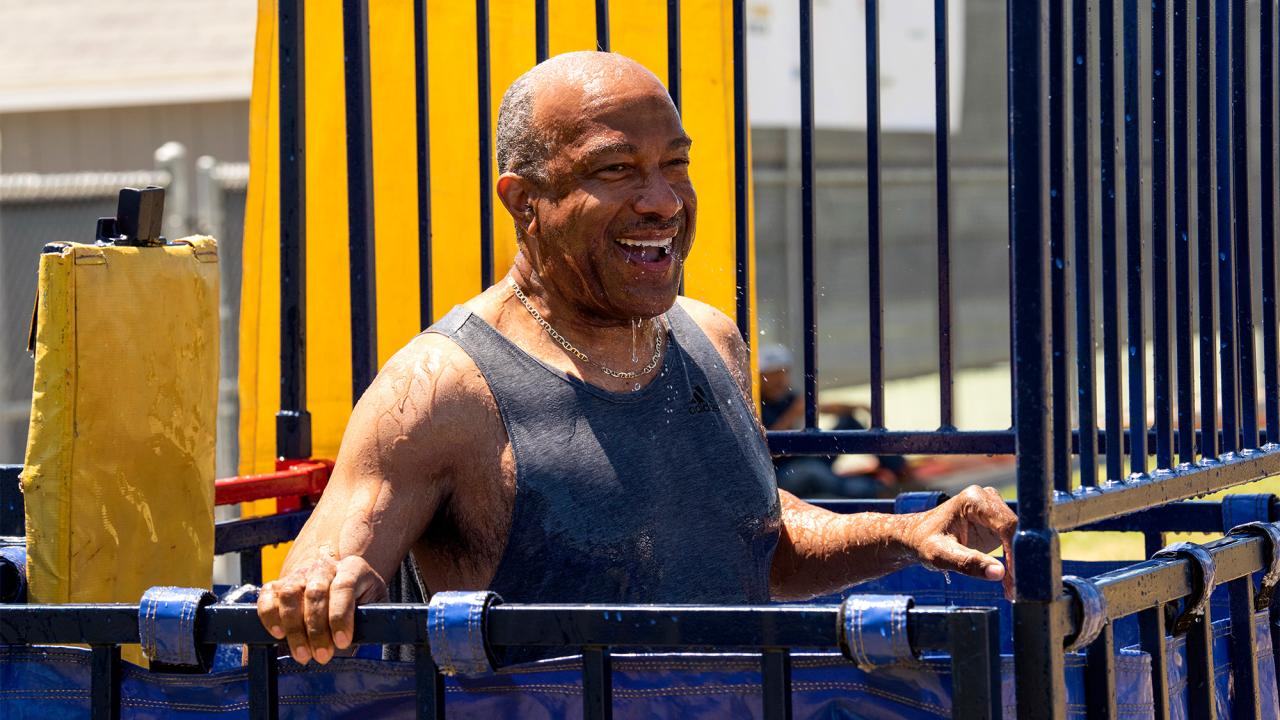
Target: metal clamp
(167,618)
(873,630)
(1093,612)
(1245,508)
(456,631)
(1270,535)
(918,501)
(1199,600)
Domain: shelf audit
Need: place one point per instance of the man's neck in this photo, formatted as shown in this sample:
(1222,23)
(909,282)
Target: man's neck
(603,339)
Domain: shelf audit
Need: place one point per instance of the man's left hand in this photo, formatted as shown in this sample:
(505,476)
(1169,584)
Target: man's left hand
(957,535)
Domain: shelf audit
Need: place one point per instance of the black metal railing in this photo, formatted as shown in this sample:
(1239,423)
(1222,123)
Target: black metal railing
(1149,193)
(968,635)
(1171,176)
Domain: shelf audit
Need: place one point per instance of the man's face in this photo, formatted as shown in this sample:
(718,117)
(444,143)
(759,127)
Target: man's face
(616,224)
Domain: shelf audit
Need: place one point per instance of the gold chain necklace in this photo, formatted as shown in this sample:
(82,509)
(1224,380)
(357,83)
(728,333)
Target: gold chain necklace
(568,346)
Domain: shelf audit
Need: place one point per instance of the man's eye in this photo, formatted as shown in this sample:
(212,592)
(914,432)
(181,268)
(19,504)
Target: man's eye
(613,169)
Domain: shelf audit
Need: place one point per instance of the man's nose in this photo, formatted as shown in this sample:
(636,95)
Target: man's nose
(657,197)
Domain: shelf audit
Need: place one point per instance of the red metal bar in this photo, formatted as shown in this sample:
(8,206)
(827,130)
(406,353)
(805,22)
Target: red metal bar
(292,479)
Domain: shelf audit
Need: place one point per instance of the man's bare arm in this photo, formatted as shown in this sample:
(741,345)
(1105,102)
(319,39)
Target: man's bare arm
(821,552)
(390,476)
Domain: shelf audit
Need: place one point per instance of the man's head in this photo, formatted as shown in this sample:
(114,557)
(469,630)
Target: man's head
(775,372)
(595,173)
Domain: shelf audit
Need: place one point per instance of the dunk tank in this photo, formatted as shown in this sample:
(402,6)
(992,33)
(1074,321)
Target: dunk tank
(1144,377)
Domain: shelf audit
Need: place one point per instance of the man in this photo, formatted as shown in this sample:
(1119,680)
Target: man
(577,432)
(782,408)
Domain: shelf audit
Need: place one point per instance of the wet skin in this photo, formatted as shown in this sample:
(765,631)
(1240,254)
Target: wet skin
(425,464)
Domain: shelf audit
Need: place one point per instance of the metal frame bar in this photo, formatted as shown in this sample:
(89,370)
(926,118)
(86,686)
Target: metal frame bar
(970,634)
(293,422)
(423,107)
(875,292)
(360,215)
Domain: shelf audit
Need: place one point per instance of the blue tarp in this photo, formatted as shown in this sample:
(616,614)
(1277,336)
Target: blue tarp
(54,682)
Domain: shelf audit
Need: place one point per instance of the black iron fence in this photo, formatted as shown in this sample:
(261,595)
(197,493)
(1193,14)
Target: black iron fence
(1172,206)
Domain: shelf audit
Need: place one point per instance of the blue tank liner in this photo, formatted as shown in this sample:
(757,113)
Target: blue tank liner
(52,682)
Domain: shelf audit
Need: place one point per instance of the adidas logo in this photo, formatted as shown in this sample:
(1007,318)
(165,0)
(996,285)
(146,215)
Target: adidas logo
(702,401)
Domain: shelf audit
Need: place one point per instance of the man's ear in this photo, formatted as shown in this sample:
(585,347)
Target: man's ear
(516,195)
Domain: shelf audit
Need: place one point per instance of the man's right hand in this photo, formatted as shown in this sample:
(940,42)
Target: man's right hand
(314,606)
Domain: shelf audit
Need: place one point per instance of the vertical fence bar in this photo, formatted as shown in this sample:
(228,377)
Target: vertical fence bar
(942,176)
(1100,671)
(293,422)
(1038,625)
(360,227)
(1240,183)
(1110,260)
(807,217)
(1152,632)
(973,642)
(1222,209)
(263,683)
(1244,649)
(1200,680)
(775,676)
(1182,236)
(875,301)
(1081,195)
(1206,258)
(541,31)
(741,176)
(429,685)
(486,150)
(602,25)
(1133,243)
(673,52)
(1057,248)
(597,684)
(251,567)
(1160,256)
(104,682)
(1267,215)
(423,108)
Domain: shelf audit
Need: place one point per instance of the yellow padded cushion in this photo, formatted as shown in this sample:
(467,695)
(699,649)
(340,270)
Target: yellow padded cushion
(119,473)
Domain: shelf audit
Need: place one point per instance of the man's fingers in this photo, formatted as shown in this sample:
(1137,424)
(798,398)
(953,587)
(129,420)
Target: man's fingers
(354,583)
(342,607)
(289,594)
(317,617)
(269,612)
(947,554)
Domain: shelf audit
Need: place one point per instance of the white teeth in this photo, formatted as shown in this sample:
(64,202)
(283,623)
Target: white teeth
(664,243)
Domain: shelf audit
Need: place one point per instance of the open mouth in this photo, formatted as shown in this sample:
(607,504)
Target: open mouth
(646,251)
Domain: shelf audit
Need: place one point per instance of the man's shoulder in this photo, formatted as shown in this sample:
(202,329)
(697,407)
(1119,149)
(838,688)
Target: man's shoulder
(433,370)
(722,331)
(717,325)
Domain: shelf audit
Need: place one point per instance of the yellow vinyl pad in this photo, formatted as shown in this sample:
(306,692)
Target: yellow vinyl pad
(119,473)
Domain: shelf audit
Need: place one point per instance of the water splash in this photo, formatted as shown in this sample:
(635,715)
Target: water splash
(635,325)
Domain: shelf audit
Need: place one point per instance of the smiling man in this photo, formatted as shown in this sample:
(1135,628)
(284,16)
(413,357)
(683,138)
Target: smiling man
(577,432)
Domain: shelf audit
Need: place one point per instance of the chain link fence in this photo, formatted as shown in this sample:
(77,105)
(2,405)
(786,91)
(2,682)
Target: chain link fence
(39,209)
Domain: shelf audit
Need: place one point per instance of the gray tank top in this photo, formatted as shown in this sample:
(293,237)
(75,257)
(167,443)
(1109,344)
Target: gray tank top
(666,494)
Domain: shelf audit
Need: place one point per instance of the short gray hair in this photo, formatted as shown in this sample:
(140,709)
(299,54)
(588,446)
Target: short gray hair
(522,148)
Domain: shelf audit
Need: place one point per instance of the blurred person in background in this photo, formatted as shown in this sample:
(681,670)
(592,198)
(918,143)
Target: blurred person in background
(848,476)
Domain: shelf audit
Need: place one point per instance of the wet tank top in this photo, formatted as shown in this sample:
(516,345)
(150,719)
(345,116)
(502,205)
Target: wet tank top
(666,494)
